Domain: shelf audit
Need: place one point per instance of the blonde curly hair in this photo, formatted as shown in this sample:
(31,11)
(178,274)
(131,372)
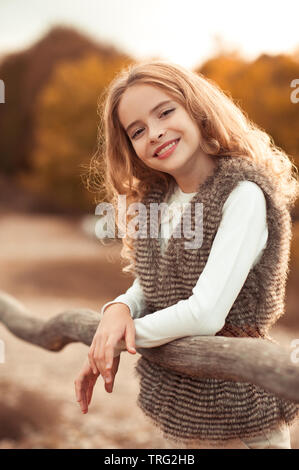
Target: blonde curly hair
(225,129)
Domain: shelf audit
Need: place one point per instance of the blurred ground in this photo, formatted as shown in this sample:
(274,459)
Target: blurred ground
(49,264)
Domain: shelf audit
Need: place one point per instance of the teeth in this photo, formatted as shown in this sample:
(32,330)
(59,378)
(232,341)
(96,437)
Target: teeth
(166,148)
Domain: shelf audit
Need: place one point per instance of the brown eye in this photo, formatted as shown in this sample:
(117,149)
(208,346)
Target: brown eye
(167,112)
(136,133)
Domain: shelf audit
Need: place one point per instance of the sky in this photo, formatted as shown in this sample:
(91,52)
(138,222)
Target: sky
(185,31)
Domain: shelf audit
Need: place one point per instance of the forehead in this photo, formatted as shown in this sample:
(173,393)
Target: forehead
(137,101)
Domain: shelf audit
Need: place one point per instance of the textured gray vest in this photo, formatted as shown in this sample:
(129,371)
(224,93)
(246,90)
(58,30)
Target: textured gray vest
(184,407)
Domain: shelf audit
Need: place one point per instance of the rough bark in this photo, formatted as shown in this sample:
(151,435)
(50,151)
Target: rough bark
(251,360)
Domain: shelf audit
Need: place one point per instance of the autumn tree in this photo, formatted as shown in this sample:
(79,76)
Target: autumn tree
(66,129)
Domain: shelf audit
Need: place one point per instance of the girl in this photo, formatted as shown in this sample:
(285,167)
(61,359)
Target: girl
(173,136)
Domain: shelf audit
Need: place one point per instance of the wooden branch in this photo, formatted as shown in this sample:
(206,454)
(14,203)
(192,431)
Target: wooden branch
(74,325)
(250,360)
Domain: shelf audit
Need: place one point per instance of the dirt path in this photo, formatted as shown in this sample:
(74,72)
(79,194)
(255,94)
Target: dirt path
(49,264)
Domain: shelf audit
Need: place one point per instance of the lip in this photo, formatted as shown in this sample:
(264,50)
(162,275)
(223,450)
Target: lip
(165,145)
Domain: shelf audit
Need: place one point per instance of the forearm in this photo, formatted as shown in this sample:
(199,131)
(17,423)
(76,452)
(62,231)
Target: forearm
(133,298)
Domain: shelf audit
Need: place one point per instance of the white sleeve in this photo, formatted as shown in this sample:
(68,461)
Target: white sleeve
(133,298)
(241,237)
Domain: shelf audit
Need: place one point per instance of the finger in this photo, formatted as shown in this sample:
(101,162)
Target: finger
(82,385)
(89,392)
(92,362)
(109,386)
(79,385)
(99,354)
(82,399)
(83,403)
(77,390)
(109,355)
(115,365)
(130,339)
(106,358)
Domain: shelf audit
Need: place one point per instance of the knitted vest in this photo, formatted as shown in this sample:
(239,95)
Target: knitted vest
(187,408)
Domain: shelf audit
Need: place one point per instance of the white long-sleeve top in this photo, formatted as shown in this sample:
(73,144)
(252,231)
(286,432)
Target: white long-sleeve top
(238,245)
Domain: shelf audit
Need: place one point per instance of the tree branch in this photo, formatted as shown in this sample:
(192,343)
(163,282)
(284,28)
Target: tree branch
(250,360)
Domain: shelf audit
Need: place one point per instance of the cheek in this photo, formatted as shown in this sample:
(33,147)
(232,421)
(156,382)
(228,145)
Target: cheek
(140,150)
(194,137)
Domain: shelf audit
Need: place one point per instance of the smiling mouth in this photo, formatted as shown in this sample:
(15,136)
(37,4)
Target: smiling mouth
(166,150)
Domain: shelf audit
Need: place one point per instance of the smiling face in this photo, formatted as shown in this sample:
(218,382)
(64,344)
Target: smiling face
(152,118)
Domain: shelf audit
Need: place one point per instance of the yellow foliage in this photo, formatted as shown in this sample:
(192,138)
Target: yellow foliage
(262,89)
(66,123)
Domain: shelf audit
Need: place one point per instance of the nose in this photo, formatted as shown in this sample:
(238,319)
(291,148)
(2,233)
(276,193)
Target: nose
(156,136)
(155,131)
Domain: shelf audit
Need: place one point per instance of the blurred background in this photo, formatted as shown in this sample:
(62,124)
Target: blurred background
(56,58)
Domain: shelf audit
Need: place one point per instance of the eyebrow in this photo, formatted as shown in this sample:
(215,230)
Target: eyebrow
(154,109)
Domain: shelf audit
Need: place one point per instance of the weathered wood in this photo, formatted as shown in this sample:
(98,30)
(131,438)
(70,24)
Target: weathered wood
(250,360)
(74,325)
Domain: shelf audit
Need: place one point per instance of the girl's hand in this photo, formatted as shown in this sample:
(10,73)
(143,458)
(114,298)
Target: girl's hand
(84,386)
(115,333)
(86,380)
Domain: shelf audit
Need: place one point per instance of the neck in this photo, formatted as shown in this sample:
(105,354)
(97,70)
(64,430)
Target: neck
(190,182)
